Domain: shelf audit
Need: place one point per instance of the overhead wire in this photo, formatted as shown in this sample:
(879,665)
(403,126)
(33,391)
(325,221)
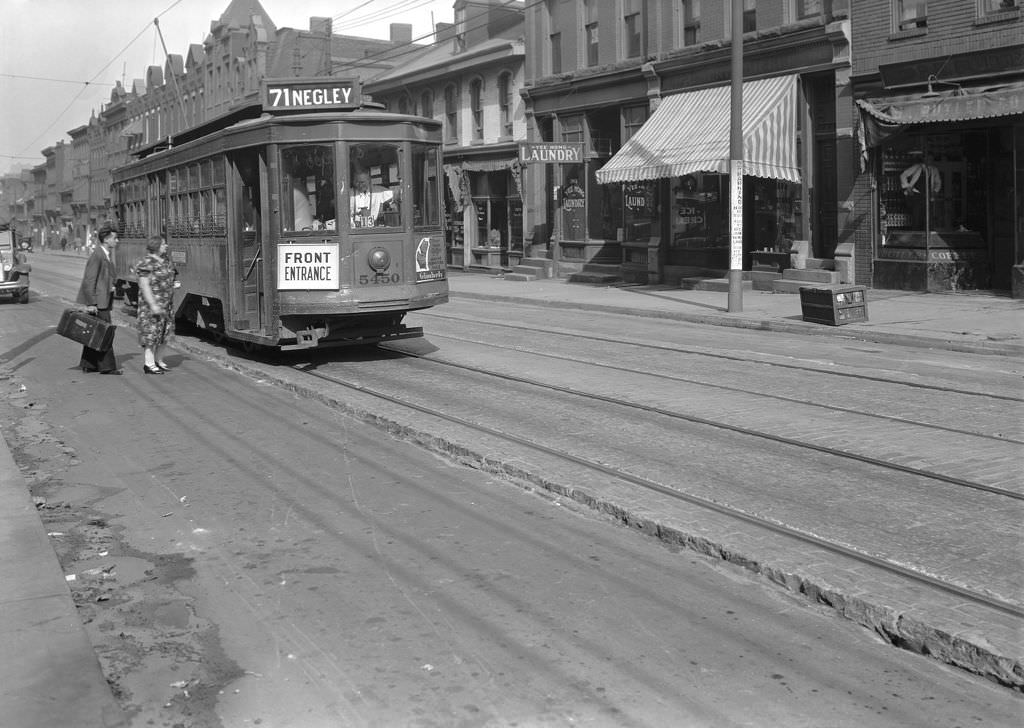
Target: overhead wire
(414,46)
(393,53)
(91,81)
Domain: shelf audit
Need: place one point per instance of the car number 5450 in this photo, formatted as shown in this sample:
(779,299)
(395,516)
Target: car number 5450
(380,278)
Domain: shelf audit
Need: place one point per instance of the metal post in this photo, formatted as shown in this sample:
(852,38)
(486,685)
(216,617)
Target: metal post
(736,163)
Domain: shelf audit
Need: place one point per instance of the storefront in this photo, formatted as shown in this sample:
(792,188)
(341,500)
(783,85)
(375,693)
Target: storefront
(948,174)
(672,176)
(485,212)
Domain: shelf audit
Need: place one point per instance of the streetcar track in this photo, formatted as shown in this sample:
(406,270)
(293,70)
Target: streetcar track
(728,388)
(718,355)
(772,526)
(778,439)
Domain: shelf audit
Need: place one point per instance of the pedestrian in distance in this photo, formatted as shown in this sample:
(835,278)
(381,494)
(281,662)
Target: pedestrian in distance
(97,295)
(156,303)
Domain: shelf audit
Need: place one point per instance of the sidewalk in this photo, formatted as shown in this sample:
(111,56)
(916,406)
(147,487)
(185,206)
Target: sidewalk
(56,678)
(974,322)
(50,674)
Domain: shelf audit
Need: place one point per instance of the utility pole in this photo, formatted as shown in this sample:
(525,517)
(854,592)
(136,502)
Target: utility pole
(736,163)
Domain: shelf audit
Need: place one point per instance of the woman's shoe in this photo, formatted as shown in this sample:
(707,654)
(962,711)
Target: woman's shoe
(163,366)
(152,370)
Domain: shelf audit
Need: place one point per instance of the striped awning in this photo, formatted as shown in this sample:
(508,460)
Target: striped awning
(689,132)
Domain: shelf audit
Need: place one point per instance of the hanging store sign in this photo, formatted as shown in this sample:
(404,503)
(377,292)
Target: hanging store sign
(311,94)
(314,267)
(551,152)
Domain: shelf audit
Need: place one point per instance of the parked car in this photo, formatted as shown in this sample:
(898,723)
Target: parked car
(14,266)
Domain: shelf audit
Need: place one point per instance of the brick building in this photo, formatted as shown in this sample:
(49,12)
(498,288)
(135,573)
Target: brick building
(640,85)
(471,79)
(939,88)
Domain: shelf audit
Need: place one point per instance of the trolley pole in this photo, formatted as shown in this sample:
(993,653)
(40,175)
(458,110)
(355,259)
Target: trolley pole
(736,163)
(174,76)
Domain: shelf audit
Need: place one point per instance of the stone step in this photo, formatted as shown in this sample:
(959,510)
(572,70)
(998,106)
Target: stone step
(810,275)
(519,276)
(536,262)
(586,276)
(821,263)
(532,270)
(762,280)
(790,286)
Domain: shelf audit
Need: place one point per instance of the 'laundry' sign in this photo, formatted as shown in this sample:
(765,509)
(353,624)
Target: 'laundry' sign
(551,152)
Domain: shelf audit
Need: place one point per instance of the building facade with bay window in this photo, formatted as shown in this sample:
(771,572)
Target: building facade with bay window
(470,79)
(939,91)
(644,87)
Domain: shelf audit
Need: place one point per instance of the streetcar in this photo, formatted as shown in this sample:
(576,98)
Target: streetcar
(308,220)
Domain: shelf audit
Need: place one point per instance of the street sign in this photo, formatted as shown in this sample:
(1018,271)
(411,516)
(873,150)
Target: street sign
(551,152)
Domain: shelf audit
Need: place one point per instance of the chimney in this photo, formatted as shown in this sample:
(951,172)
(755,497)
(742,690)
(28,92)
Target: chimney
(401,33)
(321,26)
(444,31)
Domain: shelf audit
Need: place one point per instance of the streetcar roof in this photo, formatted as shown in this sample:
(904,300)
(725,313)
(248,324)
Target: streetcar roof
(253,117)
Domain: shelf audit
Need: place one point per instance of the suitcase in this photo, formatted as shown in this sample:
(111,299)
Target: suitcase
(86,329)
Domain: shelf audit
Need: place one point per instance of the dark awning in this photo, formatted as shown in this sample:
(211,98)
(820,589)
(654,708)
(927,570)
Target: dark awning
(881,118)
(689,132)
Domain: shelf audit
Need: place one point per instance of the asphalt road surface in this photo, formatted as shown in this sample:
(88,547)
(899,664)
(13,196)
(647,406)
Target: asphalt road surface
(273,562)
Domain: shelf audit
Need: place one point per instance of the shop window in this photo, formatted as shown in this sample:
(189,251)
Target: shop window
(698,230)
(910,14)
(307,200)
(640,218)
(770,214)
(689,22)
(927,184)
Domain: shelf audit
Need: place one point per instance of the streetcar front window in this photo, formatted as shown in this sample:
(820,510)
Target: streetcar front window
(308,197)
(375,186)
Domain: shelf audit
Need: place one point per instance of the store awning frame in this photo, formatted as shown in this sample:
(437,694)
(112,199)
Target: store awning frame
(881,118)
(689,132)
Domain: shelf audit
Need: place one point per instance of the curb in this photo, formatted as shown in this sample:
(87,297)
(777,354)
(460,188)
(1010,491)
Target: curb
(768,324)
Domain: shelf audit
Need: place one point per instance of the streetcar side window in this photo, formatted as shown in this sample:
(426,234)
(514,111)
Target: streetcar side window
(308,197)
(426,186)
(375,186)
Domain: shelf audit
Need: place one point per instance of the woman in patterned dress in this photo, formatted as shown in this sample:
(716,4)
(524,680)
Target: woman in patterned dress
(156,303)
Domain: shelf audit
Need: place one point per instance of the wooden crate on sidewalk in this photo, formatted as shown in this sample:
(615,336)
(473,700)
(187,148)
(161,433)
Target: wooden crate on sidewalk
(835,305)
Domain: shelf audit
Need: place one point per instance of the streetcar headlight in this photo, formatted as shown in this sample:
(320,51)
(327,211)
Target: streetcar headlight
(379,260)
